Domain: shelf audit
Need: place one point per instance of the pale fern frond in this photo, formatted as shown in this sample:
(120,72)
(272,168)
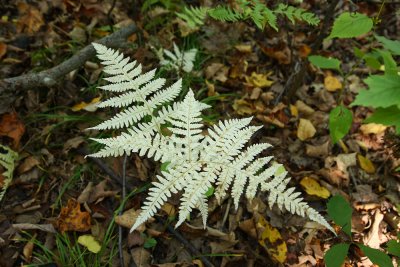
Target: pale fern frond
(8,158)
(179,60)
(196,161)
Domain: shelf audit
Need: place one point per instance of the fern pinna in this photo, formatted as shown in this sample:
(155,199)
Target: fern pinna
(196,161)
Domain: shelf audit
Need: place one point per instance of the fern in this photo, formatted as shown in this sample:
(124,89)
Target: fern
(197,161)
(7,160)
(255,10)
(178,60)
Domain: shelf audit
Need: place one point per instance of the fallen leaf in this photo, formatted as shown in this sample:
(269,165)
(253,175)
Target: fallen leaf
(30,20)
(242,107)
(96,193)
(90,243)
(12,127)
(217,72)
(259,80)
(366,164)
(313,188)
(305,130)
(294,111)
(71,218)
(3,49)
(141,257)
(28,164)
(91,106)
(318,151)
(243,48)
(332,83)
(271,240)
(304,50)
(372,128)
(30,226)
(73,143)
(28,249)
(128,218)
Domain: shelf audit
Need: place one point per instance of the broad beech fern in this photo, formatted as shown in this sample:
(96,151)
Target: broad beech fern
(196,161)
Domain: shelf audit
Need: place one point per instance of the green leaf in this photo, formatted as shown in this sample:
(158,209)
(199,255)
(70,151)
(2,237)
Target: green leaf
(335,256)
(150,243)
(383,92)
(349,25)
(390,64)
(387,116)
(393,46)
(210,191)
(325,62)
(376,256)
(393,247)
(339,211)
(340,119)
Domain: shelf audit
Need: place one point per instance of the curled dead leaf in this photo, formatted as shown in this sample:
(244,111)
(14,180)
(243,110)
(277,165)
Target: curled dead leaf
(71,218)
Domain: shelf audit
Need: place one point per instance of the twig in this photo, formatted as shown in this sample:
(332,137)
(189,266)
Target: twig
(109,15)
(120,230)
(49,77)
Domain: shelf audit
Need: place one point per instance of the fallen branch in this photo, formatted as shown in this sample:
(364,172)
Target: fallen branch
(48,78)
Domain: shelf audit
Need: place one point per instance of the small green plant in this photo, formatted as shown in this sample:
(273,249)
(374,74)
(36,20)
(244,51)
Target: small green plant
(254,10)
(8,158)
(340,212)
(383,92)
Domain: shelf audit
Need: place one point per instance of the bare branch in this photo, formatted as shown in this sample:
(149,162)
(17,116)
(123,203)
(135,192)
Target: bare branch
(47,78)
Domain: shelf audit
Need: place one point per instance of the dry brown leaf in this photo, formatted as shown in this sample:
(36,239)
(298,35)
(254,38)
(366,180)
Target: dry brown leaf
(91,106)
(305,130)
(304,50)
(303,108)
(217,71)
(28,249)
(71,218)
(73,143)
(332,83)
(3,49)
(12,127)
(128,218)
(28,164)
(244,48)
(31,18)
(96,193)
(318,151)
(141,257)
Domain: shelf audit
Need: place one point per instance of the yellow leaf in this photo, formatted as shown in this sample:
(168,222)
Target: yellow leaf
(366,164)
(372,128)
(272,240)
(305,130)
(242,107)
(91,106)
(294,111)
(259,80)
(312,187)
(90,243)
(332,83)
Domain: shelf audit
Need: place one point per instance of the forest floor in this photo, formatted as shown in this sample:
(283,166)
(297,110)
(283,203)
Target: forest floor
(61,207)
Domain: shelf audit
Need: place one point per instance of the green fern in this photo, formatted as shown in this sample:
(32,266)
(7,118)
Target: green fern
(223,13)
(194,16)
(7,160)
(293,13)
(255,10)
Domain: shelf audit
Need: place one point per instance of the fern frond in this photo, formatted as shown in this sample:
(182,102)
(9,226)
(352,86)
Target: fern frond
(7,161)
(196,161)
(193,16)
(179,60)
(293,13)
(223,13)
